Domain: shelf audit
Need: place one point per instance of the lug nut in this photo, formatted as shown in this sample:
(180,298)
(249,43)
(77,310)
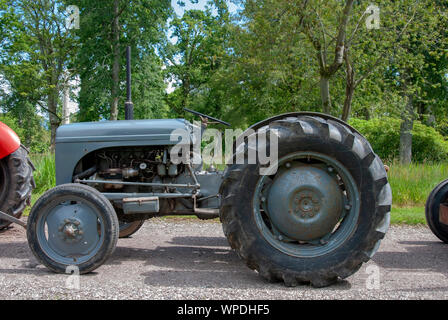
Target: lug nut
(348,207)
(288,165)
(330,169)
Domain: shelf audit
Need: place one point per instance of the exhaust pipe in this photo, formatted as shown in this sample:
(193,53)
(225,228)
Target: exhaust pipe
(128,106)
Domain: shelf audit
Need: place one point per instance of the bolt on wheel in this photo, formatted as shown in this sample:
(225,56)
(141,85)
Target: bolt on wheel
(72,225)
(307,209)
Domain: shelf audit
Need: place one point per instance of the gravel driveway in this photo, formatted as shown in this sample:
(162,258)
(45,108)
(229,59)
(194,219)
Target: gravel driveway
(189,259)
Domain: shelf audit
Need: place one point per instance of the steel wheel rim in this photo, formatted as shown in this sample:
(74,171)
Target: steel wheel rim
(342,230)
(52,228)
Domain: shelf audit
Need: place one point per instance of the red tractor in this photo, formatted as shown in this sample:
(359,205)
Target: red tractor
(16,175)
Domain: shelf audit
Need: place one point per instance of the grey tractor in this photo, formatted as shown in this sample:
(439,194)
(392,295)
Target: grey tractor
(316,219)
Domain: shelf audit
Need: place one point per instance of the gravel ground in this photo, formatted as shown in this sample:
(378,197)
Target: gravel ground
(188,259)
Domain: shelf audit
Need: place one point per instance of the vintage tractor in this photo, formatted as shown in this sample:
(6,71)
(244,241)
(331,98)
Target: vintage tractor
(314,217)
(436,211)
(16,176)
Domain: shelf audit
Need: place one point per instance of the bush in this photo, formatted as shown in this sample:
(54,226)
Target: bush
(384,136)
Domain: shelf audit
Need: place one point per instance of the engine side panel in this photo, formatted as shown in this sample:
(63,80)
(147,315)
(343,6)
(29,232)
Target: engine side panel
(75,141)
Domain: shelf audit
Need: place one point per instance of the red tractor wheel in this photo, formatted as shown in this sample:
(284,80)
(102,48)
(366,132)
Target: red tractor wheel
(16,184)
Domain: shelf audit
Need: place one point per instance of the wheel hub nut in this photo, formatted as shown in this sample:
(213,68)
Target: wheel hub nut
(70,230)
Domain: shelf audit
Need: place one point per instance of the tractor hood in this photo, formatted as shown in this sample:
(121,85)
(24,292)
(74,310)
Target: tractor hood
(153,131)
(75,141)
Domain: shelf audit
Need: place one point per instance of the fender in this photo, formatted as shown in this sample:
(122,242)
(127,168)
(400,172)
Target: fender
(9,141)
(300,113)
(265,122)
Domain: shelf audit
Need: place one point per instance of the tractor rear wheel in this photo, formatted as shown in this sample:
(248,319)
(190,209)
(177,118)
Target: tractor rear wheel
(16,184)
(72,225)
(127,229)
(437,198)
(316,218)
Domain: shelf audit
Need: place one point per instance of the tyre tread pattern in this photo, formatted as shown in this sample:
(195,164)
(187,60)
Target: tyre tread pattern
(21,184)
(241,242)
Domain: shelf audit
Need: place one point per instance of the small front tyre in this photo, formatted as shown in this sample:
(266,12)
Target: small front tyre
(72,225)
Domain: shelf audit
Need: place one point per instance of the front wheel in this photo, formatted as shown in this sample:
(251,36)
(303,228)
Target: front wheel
(72,225)
(316,218)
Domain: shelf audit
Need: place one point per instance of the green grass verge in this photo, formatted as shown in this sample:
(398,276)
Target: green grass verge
(408,215)
(412,184)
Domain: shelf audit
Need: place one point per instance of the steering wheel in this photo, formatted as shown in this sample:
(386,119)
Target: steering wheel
(204,117)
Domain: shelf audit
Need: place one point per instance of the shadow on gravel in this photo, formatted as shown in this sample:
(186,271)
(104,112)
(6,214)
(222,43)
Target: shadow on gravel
(420,256)
(201,241)
(14,249)
(200,262)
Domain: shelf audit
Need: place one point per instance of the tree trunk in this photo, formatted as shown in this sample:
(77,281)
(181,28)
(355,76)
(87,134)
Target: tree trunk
(55,121)
(347,103)
(116,63)
(65,105)
(349,87)
(325,94)
(406,132)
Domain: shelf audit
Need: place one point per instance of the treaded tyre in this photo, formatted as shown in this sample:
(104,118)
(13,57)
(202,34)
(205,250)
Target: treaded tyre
(72,225)
(320,215)
(438,195)
(127,229)
(16,184)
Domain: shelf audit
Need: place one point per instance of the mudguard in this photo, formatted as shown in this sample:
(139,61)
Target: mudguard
(9,141)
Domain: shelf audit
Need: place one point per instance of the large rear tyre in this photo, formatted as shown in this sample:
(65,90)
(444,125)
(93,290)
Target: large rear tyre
(320,215)
(16,184)
(72,225)
(437,197)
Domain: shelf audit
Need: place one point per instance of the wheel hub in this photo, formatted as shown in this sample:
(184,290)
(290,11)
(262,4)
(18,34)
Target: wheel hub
(70,230)
(305,202)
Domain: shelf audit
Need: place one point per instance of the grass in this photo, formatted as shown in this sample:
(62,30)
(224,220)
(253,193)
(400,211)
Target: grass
(408,215)
(410,185)
(45,174)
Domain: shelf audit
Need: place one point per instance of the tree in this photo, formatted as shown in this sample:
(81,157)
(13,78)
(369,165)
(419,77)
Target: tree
(195,51)
(35,55)
(105,32)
